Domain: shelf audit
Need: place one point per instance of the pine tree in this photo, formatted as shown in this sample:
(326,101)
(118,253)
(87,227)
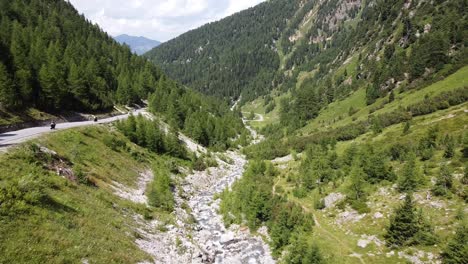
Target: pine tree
(449,147)
(8,95)
(456,251)
(153,138)
(140,132)
(77,85)
(160,193)
(376,167)
(391,97)
(174,147)
(357,194)
(406,127)
(376,125)
(410,177)
(123,93)
(403,225)
(130,127)
(52,80)
(444,182)
(358,183)
(302,252)
(24,79)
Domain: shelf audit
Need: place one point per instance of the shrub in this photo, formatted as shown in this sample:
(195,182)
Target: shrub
(160,191)
(17,195)
(113,142)
(80,175)
(319,204)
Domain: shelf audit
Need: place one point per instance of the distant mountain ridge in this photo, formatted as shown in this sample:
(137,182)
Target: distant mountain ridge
(139,45)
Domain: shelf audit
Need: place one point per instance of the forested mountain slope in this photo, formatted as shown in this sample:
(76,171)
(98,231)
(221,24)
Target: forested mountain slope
(52,58)
(233,55)
(325,49)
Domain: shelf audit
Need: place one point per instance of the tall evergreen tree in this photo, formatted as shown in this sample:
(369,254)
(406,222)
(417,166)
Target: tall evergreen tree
(456,251)
(302,252)
(8,95)
(444,182)
(408,226)
(403,225)
(358,183)
(410,177)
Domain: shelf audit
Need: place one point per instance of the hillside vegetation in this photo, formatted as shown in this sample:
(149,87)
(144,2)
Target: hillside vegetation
(365,124)
(76,216)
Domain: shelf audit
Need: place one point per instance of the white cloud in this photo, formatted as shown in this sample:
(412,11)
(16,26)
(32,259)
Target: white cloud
(157,19)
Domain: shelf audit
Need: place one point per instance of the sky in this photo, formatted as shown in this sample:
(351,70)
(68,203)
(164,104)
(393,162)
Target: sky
(157,19)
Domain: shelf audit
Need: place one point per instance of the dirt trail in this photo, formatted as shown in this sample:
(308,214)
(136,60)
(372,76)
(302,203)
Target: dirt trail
(326,232)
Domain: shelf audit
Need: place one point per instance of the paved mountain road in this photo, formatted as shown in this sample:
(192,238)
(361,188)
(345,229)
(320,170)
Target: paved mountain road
(12,138)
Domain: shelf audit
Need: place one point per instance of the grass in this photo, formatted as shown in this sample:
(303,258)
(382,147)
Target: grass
(45,218)
(29,115)
(258,107)
(336,114)
(452,120)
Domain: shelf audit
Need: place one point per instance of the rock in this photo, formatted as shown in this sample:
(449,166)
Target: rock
(333,198)
(225,238)
(349,216)
(378,215)
(427,28)
(362,243)
(47,151)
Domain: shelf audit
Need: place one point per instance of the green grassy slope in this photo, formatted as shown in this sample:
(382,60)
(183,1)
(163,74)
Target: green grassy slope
(45,218)
(337,113)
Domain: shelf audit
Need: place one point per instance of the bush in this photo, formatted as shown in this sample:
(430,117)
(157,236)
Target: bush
(160,191)
(270,107)
(319,204)
(17,195)
(360,206)
(113,142)
(199,165)
(81,175)
(300,192)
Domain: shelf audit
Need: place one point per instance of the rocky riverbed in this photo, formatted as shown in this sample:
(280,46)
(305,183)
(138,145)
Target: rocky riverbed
(199,235)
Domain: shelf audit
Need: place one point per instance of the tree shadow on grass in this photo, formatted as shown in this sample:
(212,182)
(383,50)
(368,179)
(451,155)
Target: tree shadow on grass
(54,205)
